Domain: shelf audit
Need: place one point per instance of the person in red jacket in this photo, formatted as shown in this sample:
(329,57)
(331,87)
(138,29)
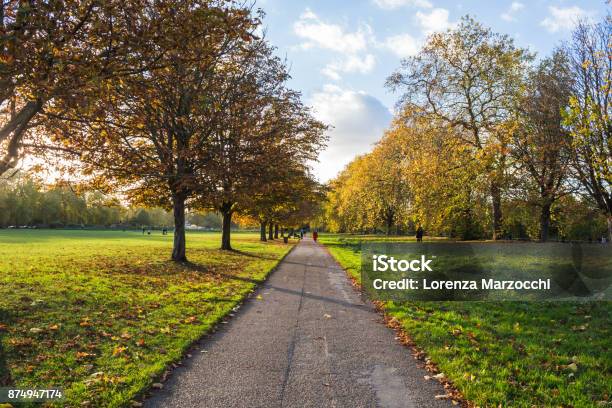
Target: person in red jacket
(315,235)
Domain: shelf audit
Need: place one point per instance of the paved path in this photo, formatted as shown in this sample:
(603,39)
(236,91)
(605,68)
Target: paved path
(309,342)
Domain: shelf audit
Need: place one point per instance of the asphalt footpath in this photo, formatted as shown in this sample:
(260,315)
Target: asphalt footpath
(306,339)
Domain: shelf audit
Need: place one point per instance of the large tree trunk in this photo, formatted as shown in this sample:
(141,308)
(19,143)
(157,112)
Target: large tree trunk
(178,249)
(270,231)
(262,231)
(545,221)
(275,231)
(226,211)
(497,210)
(610,228)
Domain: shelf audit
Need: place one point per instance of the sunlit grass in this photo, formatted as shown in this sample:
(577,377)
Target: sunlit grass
(102,313)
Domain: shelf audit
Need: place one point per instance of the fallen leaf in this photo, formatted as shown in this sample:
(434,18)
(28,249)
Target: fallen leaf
(158,386)
(119,350)
(327,316)
(82,354)
(140,343)
(36,330)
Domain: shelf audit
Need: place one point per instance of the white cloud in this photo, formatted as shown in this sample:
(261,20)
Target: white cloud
(393,4)
(352,63)
(402,45)
(434,21)
(358,119)
(510,14)
(564,18)
(351,46)
(318,33)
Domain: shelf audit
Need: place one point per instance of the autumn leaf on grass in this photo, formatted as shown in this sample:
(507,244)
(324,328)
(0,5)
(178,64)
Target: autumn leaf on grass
(126,336)
(25,342)
(191,319)
(3,327)
(54,327)
(140,343)
(85,323)
(80,355)
(119,350)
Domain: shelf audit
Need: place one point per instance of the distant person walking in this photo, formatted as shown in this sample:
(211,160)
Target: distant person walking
(144,230)
(315,235)
(419,234)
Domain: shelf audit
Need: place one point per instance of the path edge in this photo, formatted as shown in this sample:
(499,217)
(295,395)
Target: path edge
(147,392)
(404,338)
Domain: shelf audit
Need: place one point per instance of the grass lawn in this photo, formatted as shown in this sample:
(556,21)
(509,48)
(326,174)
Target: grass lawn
(103,313)
(510,354)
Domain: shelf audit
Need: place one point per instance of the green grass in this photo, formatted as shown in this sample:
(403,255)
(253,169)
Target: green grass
(510,354)
(103,313)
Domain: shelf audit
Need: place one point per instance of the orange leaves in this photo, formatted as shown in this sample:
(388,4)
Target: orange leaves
(119,351)
(191,320)
(82,355)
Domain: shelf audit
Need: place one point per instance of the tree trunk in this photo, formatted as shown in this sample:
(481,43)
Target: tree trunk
(178,249)
(270,231)
(609,228)
(389,224)
(545,221)
(262,231)
(497,210)
(226,211)
(275,231)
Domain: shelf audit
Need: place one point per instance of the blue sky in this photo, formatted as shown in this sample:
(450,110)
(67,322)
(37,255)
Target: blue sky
(341,51)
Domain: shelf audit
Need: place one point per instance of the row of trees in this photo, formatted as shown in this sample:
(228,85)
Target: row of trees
(177,104)
(489,143)
(26,202)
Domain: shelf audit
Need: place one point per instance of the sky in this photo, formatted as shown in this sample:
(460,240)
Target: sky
(340,53)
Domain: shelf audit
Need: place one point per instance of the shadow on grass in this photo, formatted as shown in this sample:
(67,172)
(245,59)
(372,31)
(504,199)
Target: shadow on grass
(249,255)
(5,374)
(194,267)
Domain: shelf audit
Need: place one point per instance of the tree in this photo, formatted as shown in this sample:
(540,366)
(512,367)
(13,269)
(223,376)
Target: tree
(468,79)
(265,127)
(588,116)
(52,54)
(149,134)
(541,144)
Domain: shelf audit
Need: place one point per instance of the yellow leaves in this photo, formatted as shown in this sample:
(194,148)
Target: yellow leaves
(191,320)
(469,377)
(119,351)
